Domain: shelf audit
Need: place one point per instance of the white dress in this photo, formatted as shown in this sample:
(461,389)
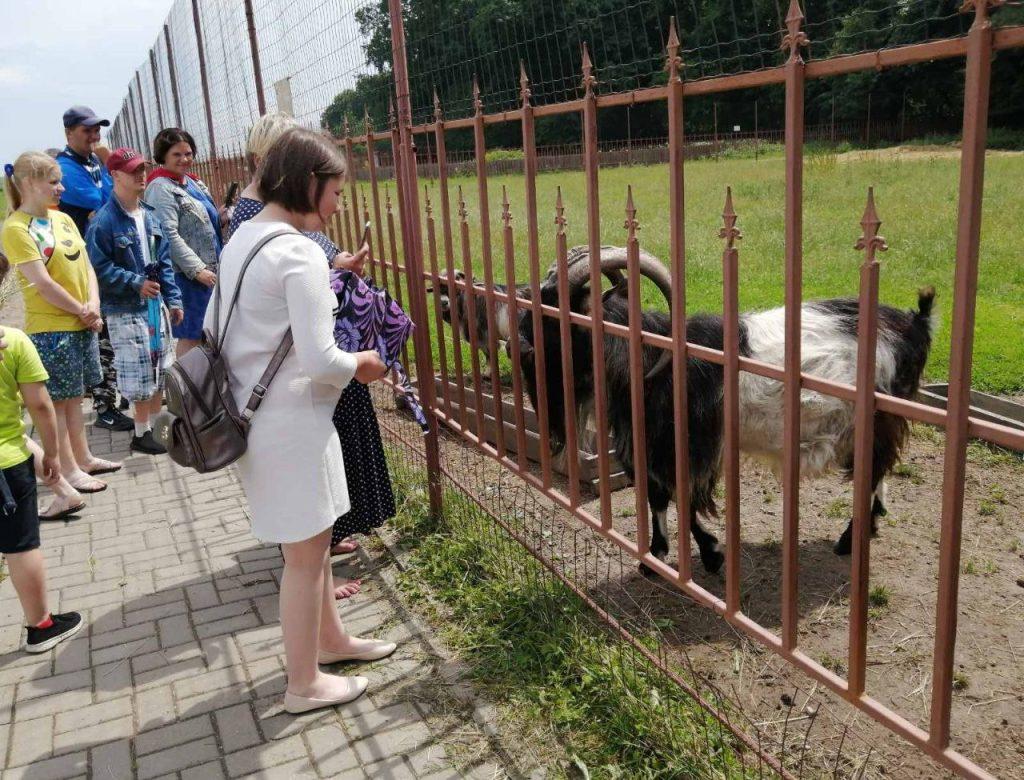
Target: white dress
(292,472)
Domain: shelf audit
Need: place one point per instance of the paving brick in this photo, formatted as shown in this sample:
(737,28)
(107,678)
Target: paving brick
(49,705)
(112,761)
(119,728)
(210,771)
(237,727)
(174,630)
(156,613)
(331,750)
(154,707)
(247,762)
(59,768)
(392,742)
(58,683)
(31,740)
(300,768)
(216,700)
(97,713)
(169,673)
(6,703)
(209,681)
(393,768)
(175,759)
(220,612)
(178,733)
(202,596)
(127,650)
(229,626)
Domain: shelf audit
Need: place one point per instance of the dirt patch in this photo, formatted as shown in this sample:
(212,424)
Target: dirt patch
(923,152)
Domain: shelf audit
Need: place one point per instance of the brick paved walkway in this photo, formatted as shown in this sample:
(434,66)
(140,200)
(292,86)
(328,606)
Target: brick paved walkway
(179,672)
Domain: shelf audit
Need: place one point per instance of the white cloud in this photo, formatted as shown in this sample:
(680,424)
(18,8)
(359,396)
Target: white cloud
(12,76)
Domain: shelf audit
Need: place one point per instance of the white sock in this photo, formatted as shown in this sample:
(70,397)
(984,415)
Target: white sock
(142,427)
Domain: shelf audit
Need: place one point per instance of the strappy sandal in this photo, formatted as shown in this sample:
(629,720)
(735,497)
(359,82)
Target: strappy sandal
(104,467)
(90,486)
(63,513)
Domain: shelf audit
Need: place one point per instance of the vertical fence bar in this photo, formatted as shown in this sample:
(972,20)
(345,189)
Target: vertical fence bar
(140,135)
(572,458)
(156,87)
(677,256)
(637,397)
(372,241)
(977,82)
(203,78)
(254,51)
(371,162)
(596,309)
(449,256)
(793,40)
(350,162)
(513,342)
(731,402)
(403,211)
(435,284)
(142,107)
(172,72)
(480,149)
(414,260)
(533,249)
(863,444)
(343,218)
(472,320)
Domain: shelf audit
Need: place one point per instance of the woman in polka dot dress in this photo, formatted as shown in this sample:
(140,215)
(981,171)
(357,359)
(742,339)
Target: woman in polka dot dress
(366,471)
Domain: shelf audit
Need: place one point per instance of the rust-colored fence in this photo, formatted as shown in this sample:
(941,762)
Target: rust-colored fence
(469,397)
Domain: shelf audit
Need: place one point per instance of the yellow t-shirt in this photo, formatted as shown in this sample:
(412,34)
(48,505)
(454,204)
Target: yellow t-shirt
(57,242)
(20,365)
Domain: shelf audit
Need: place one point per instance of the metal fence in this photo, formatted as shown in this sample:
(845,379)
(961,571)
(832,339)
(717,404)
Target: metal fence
(419,249)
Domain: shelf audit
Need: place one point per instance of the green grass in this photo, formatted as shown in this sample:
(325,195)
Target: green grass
(916,200)
(532,646)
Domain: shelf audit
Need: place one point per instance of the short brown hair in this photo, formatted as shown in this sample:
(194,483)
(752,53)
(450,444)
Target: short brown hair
(285,172)
(168,137)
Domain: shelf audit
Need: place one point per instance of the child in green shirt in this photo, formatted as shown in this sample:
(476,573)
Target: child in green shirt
(23,381)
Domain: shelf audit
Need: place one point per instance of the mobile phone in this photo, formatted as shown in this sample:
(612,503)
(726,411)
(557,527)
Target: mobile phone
(366,235)
(232,193)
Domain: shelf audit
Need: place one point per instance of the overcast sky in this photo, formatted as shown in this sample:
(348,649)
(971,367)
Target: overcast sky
(56,53)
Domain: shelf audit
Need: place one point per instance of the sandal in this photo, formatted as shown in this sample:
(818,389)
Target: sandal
(86,484)
(101,466)
(63,513)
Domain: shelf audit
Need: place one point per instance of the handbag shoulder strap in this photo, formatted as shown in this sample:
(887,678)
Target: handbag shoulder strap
(260,390)
(218,334)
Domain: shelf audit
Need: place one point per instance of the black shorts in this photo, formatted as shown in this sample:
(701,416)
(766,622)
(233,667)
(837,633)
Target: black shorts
(19,531)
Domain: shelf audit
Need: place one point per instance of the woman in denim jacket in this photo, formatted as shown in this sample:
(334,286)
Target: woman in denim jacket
(190,223)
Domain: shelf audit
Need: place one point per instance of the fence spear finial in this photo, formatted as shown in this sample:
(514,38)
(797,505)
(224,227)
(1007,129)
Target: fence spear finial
(462,206)
(478,104)
(794,37)
(524,84)
(588,70)
(426,202)
(366,121)
(344,126)
(673,62)
(438,116)
(506,212)
(729,231)
(870,241)
(392,121)
(387,198)
(559,211)
(631,224)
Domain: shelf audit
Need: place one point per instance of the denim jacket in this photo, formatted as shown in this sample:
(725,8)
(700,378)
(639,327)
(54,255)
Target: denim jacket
(185,225)
(115,251)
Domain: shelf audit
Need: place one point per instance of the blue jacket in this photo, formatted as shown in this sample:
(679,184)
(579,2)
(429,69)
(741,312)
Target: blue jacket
(87,186)
(115,251)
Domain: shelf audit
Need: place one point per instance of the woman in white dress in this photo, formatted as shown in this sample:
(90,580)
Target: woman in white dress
(292,473)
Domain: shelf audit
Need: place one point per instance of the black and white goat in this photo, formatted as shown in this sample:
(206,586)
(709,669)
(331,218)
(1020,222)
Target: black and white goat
(828,350)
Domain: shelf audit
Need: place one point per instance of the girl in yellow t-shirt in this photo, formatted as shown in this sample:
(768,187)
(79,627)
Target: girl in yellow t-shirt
(62,313)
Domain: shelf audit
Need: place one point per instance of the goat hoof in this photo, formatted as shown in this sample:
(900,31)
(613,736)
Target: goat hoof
(647,571)
(712,560)
(842,547)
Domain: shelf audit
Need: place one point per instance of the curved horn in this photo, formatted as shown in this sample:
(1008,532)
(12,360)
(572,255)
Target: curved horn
(654,270)
(579,265)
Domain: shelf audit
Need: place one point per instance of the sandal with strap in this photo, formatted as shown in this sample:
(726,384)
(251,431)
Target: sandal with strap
(101,466)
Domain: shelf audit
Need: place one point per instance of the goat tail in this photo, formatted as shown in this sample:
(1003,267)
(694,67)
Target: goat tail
(924,317)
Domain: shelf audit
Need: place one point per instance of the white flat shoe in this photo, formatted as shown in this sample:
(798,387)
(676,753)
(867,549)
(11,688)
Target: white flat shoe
(299,704)
(379,649)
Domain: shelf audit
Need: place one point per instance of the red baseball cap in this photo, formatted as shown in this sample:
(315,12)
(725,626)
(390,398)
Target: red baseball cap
(125,159)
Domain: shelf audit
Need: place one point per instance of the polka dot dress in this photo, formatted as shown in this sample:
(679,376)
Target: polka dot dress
(369,485)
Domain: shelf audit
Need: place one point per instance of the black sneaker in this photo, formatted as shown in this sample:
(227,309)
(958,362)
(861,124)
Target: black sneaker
(64,626)
(147,444)
(113,420)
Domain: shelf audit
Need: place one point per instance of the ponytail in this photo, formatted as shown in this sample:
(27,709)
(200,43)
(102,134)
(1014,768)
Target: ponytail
(29,165)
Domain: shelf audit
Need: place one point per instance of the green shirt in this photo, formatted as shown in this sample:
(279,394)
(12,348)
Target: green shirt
(20,365)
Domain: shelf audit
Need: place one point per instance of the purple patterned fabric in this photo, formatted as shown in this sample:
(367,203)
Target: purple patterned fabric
(369,318)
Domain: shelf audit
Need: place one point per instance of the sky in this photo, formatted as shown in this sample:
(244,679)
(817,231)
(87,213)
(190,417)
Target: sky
(58,53)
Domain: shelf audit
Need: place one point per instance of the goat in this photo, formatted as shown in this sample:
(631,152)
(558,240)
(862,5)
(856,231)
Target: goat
(828,350)
(456,300)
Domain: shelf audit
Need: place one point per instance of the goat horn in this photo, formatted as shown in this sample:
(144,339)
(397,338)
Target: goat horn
(654,270)
(579,265)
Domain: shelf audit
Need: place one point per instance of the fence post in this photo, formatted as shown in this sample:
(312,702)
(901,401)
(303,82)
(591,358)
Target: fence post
(173,73)
(254,49)
(139,139)
(793,40)
(977,80)
(156,88)
(142,110)
(413,252)
(203,78)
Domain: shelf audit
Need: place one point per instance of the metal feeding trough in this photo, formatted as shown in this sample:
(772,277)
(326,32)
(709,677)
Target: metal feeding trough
(986,407)
(589,475)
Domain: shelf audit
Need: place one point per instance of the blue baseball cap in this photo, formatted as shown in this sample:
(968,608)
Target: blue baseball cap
(83,115)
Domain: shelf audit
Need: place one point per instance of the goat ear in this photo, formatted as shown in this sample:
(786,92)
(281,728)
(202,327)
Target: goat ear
(525,348)
(460,275)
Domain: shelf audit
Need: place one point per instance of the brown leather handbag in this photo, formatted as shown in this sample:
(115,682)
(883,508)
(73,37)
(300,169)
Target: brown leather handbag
(202,427)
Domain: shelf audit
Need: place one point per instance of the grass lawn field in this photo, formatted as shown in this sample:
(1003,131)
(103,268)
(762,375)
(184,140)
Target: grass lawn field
(916,196)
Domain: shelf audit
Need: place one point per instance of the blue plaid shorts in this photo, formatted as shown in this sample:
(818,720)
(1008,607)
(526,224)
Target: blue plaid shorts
(138,374)
(72,359)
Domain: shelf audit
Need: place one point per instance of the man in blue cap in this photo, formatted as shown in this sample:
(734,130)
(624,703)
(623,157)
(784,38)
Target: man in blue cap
(87,187)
